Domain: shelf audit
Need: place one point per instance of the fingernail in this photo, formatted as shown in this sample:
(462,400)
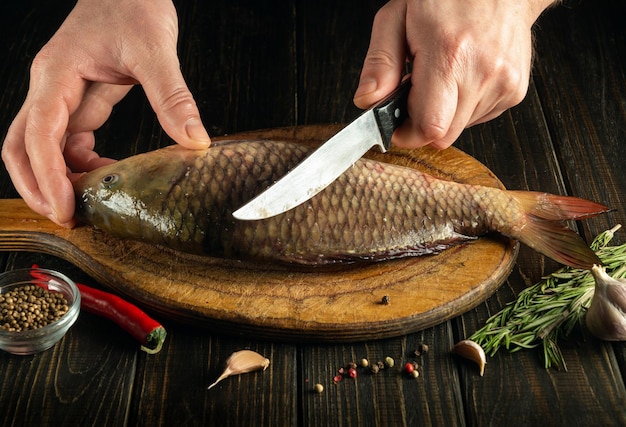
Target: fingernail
(54,218)
(366,86)
(68,224)
(196,132)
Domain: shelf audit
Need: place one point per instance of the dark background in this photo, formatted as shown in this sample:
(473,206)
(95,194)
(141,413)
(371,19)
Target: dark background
(260,64)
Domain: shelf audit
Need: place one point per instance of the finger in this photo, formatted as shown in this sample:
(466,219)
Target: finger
(475,106)
(96,106)
(478,118)
(18,165)
(80,155)
(466,108)
(406,137)
(44,138)
(498,100)
(439,113)
(173,103)
(98,102)
(385,58)
(55,92)
(433,102)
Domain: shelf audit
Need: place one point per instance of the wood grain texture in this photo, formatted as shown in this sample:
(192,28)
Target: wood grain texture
(279,302)
(389,397)
(592,142)
(229,402)
(520,392)
(568,131)
(62,382)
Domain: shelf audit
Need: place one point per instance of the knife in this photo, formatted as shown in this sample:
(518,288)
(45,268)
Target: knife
(316,172)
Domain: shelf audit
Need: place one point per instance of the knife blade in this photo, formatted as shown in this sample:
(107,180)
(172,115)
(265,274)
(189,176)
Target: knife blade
(372,128)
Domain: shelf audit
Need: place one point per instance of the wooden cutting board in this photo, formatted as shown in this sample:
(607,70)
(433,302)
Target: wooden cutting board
(276,302)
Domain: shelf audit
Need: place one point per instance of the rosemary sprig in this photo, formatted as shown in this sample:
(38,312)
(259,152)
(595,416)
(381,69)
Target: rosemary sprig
(551,308)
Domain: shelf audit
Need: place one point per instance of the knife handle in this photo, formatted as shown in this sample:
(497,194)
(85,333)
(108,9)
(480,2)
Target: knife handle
(392,111)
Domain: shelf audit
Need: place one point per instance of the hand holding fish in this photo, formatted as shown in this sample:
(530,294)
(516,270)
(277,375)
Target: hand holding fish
(101,50)
(470,62)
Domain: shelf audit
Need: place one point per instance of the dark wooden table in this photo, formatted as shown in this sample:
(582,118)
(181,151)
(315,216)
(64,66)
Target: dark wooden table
(265,64)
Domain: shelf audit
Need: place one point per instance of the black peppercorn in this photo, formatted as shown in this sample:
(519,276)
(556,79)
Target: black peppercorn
(30,307)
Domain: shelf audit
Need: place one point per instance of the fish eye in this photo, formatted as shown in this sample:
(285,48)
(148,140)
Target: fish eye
(110,179)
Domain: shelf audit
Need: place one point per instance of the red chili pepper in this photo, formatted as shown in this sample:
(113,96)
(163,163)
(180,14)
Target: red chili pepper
(150,333)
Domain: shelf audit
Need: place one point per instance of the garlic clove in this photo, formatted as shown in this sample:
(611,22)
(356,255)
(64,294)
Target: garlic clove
(241,362)
(471,350)
(606,316)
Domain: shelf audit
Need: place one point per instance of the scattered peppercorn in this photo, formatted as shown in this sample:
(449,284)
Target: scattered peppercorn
(421,349)
(318,388)
(30,307)
(389,362)
(385,300)
(350,370)
(352,373)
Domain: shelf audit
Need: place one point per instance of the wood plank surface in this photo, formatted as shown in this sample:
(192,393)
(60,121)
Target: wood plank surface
(258,64)
(536,160)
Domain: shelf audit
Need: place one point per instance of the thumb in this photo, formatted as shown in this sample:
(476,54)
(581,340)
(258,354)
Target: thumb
(384,61)
(174,105)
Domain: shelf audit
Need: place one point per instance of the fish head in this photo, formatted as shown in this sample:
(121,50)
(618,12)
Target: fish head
(127,197)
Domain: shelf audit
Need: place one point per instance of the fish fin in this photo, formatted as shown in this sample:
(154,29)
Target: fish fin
(545,232)
(553,207)
(382,255)
(558,242)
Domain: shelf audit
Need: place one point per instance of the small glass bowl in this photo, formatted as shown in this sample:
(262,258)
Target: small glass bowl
(37,340)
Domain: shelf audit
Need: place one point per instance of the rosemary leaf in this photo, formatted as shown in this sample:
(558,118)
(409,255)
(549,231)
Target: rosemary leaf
(551,308)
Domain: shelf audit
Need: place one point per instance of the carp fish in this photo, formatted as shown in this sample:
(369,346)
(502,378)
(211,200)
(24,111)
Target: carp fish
(184,199)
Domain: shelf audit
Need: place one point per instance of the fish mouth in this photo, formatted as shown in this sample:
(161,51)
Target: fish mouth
(84,197)
(84,208)
(87,212)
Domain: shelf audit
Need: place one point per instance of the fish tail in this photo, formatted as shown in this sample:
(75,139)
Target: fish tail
(545,232)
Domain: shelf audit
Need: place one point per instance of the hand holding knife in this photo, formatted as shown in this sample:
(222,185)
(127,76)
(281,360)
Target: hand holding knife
(316,172)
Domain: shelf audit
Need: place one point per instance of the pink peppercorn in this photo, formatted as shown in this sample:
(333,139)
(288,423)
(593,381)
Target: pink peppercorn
(352,372)
(409,368)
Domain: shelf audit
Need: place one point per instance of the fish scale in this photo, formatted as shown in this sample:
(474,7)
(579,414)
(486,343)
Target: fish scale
(374,211)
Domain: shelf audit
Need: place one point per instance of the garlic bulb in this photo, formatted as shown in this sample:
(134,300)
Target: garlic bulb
(241,362)
(606,316)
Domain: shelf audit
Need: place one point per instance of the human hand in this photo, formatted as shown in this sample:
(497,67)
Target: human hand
(101,50)
(471,61)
